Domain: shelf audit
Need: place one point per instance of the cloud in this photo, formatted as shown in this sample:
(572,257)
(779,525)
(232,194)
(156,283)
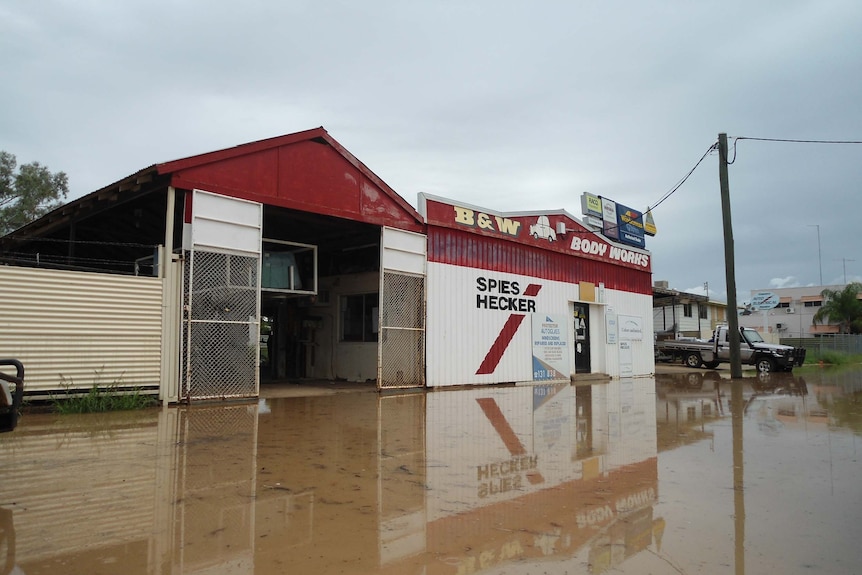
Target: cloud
(786,282)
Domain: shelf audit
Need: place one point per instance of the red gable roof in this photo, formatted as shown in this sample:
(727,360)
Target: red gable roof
(307,171)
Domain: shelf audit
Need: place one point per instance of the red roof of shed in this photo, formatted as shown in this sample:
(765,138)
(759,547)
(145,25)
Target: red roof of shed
(307,171)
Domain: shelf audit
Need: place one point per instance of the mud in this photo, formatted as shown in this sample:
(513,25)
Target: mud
(683,473)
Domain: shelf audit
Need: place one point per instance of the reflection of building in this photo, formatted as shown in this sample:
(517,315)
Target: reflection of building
(453,482)
(685,404)
(150,492)
(519,483)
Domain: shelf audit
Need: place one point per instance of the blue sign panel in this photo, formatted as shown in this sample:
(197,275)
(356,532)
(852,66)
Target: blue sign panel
(631,226)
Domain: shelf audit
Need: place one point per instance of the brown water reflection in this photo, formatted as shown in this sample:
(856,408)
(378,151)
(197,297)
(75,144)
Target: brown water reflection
(632,476)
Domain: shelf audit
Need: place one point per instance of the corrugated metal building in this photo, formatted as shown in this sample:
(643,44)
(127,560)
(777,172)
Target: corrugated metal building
(288,259)
(533,296)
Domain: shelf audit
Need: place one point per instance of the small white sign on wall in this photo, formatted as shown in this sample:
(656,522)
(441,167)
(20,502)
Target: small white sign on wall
(630,327)
(611,326)
(626,369)
(550,347)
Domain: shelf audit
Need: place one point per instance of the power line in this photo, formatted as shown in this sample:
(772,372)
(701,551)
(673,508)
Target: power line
(683,180)
(787,141)
(796,141)
(667,194)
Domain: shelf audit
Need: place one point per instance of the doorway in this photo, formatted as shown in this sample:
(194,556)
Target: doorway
(581,319)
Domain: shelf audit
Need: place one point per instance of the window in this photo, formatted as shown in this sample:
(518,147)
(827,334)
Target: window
(359,317)
(784,304)
(702,309)
(813,303)
(686,309)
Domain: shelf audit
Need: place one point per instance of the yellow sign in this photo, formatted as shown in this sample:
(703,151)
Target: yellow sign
(649,224)
(591,205)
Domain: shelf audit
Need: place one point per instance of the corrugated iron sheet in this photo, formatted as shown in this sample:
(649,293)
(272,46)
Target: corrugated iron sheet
(461,248)
(74,329)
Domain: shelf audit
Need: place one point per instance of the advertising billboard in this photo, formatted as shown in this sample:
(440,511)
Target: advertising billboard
(631,226)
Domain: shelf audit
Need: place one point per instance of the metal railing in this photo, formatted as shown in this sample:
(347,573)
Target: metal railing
(844,343)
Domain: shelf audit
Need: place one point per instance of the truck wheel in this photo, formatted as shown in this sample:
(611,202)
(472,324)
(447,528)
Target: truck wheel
(692,359)
(765,365)
(710,364)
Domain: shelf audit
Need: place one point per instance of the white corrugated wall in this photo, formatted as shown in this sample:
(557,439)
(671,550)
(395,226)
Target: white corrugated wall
(643,356)
(81,328)
(461,332)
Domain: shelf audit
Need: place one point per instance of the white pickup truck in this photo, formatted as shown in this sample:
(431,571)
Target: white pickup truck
(766,357)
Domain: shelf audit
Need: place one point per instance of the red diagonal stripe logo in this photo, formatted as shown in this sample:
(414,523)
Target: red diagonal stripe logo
(504,338)
(495,354)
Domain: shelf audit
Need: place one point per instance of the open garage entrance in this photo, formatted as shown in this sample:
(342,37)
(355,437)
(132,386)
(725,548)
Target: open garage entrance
(319,297)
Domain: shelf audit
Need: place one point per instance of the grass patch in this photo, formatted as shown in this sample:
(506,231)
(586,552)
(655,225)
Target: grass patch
(100,398)
(832,357)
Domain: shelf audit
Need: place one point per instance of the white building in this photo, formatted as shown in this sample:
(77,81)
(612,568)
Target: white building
(686,314)
(794,315)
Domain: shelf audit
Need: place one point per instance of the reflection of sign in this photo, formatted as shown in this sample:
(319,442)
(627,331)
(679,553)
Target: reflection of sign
(550,347)
(764,300)
(630,327)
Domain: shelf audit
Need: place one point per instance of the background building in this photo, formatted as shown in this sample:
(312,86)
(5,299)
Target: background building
(794,315)
(686,314)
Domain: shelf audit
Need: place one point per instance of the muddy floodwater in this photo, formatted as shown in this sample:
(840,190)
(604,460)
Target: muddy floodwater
(682,473)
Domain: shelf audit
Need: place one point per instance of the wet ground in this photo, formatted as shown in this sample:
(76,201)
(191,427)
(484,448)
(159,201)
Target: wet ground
(683,473)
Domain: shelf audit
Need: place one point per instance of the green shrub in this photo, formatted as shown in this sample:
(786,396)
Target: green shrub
(100,398)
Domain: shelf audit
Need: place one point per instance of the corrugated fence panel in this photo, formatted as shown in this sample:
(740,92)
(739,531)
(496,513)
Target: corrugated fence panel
(74,329)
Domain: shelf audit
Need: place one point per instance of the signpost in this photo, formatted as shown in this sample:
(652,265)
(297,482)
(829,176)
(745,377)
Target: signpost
(764,301)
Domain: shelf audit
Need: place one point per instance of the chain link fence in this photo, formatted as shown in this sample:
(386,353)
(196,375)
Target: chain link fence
(221,325)
(402,332)
(844,343)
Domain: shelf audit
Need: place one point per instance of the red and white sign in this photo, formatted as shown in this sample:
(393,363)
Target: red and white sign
(556,231)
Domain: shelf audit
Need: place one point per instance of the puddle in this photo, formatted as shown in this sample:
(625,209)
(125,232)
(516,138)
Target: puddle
(677,474)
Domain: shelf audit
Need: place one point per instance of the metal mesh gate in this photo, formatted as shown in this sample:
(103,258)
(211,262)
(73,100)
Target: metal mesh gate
(221,325)
(402,331)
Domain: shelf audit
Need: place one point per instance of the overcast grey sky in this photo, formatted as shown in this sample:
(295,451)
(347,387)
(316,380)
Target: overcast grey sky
(512,106)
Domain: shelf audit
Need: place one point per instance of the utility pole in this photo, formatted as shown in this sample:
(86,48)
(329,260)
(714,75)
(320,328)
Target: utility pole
(730,274)
(844,262)
(819,257)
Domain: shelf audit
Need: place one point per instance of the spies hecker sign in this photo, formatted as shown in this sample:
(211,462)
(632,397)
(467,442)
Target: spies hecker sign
(556,231)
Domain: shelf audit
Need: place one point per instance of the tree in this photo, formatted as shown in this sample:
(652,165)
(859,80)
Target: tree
(29,194)
(842,307)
